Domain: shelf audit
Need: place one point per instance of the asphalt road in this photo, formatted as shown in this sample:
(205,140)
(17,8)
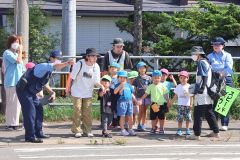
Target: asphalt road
(133,152)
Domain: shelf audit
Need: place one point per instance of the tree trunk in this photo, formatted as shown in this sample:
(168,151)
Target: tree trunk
(137,42)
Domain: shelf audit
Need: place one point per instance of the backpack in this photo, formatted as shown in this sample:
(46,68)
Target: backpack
(217,87)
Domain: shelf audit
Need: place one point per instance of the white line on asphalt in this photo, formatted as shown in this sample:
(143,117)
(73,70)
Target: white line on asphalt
(121,147)
(127,155)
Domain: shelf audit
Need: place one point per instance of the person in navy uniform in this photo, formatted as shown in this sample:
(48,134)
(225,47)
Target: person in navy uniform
(32,110)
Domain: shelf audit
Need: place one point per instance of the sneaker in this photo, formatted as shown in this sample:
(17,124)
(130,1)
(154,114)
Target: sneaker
(9,128)
(134,127)
(161,131)
(215,135)
(124,132)
(188,132)
(143,127)
(193,137)
(224,128)
(139,127)
(153,131)
(131,132)
(78,135)
(90,135)
(179,132)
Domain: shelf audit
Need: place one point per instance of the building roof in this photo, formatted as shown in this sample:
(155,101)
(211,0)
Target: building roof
(105,7)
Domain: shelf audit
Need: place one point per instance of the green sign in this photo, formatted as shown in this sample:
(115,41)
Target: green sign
(225,102)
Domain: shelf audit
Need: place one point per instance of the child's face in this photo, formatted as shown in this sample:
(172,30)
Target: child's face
(113,70)
(106,84)
(183,79)
(122,79)
(131,80)
(142,70)
(156,79)
(164,77)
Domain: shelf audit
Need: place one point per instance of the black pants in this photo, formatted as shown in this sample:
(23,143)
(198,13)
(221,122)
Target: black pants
(206,111)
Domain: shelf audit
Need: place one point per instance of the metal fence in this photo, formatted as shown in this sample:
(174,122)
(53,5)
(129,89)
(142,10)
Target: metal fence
(156,61)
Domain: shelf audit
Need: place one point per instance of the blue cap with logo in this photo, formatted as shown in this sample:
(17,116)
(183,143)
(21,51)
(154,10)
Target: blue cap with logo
(56,54)
(141,64)
(122,74)
(218,41)
(114,64)
(156,73)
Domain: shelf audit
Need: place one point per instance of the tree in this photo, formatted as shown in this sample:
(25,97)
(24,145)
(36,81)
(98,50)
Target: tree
(3,39)
(199,26)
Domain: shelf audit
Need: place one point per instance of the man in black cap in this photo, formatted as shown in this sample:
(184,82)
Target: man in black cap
(222,62)
(117,54)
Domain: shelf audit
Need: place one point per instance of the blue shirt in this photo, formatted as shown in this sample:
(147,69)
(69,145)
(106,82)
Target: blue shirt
(127,92)
(41,69)
(168,85)
(221,62)
(13,70)
(114,82)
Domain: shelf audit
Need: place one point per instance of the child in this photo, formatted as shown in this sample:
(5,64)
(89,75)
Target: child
(141,83)
(185,102)
(124,102)
(159,97)
(105,98)
(113,69)
(131,76)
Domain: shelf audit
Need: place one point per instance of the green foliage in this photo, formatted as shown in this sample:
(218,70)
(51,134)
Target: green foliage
(175,34)
(3,38)
(40,42)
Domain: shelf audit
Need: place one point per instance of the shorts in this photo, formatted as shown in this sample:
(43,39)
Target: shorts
(160,114)
(145,102)
(183,113)
(124,107)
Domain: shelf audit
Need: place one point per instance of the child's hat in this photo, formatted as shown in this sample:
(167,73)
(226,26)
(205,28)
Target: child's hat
(141,64)
(106,78)
(29,65)
(132,74)
(114,64)
(122,74)
(156,73)
(183,73)
(165,71)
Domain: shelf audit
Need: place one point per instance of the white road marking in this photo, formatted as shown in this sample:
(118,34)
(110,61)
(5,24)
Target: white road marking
(122,147)
(129,155)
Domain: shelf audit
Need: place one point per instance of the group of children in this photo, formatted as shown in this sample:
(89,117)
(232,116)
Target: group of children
(127,95)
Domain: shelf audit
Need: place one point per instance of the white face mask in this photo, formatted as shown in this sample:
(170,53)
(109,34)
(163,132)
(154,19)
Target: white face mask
(15,46)
(57,61)
(194,57)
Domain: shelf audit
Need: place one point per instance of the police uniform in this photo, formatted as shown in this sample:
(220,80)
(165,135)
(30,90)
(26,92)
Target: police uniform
(32,109)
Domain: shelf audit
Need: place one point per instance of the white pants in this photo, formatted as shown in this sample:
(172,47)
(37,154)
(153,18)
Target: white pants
(13,107)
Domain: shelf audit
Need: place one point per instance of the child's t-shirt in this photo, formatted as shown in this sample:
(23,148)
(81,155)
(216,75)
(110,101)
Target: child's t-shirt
(141,83)
(106,101)
(114,82)
(183,94)
(126,93)
(157,93)
(169,85)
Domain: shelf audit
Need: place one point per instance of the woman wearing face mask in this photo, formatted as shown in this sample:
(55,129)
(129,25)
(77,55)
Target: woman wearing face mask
(202,101)
(13,70)
(222,62)
(37,79)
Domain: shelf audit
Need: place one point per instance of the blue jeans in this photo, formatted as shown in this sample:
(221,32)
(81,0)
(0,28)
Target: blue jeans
(225,120)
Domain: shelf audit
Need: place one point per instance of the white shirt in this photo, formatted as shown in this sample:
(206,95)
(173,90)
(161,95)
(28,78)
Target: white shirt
(183,94)
(84,82)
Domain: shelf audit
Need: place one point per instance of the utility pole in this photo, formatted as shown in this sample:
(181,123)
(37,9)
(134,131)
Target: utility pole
(21,22)
(68,34)
(137,42)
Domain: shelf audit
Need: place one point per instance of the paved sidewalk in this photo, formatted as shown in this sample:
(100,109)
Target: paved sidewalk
(61,134)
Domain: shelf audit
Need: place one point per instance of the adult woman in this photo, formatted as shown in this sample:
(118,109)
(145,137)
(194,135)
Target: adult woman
(32,110)
(202,101)
(13,70)
(85,75)
(222,62)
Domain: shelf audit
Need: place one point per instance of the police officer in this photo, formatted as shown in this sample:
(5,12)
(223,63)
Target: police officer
(32,110)
(222,62)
